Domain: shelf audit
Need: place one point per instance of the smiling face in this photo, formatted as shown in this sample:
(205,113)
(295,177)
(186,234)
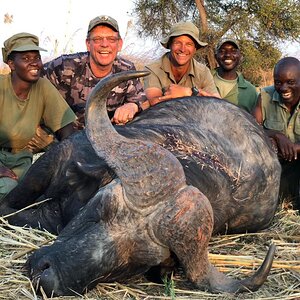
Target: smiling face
(103,43)
(26,65)
(287,81)
(182,49)
(228,56)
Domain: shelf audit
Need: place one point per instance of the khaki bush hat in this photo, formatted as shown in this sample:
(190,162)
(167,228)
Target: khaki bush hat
(183,28)
(105,20)
(20,42)
(227,40)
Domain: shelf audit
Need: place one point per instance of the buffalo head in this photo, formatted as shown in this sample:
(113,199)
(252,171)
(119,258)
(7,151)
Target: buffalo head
(135,221)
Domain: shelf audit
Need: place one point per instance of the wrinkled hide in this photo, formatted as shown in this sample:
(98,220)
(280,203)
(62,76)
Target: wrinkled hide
(129,244)
(157,186)
(69,174)
(226,157)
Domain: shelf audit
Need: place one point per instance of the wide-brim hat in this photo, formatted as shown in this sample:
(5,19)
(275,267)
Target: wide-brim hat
(183,28)
(104,20)
(20,42)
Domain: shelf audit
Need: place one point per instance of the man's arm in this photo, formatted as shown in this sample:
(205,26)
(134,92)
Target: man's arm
(286,148)
(257,111)
(42,139)
(154,95)
(134,97)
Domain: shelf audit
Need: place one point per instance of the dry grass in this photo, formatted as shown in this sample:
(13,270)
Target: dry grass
(237,255)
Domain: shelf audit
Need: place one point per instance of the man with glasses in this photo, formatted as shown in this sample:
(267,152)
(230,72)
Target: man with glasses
(75,75)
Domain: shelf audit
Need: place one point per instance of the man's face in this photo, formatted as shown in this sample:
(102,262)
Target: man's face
(287,82)
(228,56)
(103,45)
(27,65)
(182,50)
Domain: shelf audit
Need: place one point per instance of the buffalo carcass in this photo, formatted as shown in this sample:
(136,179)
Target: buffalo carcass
(139,209)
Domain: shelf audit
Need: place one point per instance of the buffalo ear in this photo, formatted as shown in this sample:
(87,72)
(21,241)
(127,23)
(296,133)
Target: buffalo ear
(85,179)
(91,170)
(83,183)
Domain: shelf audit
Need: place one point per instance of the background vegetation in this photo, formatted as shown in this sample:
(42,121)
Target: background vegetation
(259,26)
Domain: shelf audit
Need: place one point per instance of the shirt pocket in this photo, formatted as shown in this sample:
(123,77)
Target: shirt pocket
(274,124)
(297,129)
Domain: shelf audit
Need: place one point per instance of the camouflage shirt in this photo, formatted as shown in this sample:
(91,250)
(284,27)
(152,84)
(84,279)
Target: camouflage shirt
(72,76)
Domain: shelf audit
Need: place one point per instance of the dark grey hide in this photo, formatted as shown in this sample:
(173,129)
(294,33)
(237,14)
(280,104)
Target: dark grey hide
(132,203)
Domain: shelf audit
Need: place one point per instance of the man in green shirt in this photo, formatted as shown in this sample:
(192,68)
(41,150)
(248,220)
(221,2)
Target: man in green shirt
(26,101)
(278,110)
(230,83)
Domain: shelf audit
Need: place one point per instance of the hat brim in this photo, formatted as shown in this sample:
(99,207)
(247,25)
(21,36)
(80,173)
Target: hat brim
(109,24)
(230,41)
(28,48)
(199,44)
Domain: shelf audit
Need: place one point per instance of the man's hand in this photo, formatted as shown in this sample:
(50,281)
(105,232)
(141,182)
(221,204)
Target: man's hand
(79,123)
(286,149)
(6,172)
(175,91)
(125,113)
(40,140)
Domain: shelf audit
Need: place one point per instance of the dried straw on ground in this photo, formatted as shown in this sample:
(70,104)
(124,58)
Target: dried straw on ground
(237,255)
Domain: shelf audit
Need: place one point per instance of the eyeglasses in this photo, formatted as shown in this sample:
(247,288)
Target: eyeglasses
(100,39)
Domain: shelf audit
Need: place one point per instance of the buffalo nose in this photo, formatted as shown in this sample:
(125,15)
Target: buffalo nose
(43,276)
(47,281)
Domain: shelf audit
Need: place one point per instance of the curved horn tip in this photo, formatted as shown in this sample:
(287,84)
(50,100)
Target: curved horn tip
(254,282)
(219,282)
(144,73)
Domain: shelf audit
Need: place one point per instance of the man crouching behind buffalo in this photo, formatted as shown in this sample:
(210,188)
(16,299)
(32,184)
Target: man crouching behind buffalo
(26,101)
(278,110)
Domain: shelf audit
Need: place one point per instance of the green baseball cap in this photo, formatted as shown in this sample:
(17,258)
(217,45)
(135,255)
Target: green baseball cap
(228,40)
(104,20)
(20,42)
(183,28)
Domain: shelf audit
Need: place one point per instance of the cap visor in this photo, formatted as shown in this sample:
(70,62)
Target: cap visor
(28,48)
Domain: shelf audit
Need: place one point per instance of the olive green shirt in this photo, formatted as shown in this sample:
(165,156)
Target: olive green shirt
(19,119)
(276,116)
(243,94)
(161,76)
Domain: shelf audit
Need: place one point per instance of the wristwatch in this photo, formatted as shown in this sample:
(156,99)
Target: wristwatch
(195,91)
